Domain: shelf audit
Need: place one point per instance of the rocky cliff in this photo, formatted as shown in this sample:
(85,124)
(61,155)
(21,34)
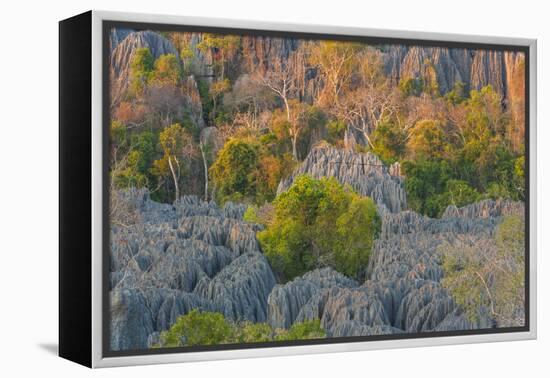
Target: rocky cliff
(194,254)
(475,68)
(365,173)
(121,56)
(262,51)
(403,292)
(117,35)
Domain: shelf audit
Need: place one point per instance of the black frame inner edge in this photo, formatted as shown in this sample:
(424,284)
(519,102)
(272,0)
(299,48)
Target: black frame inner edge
(107,25)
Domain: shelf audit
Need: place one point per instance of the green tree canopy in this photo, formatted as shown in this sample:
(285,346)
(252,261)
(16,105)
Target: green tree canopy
(211,328)
(457,193)
(167,70)
(424,179)
(141,66)
(319,223)
(198,328)
(232,172)
(412,86)
(427,140)
(491,276)
(178,149)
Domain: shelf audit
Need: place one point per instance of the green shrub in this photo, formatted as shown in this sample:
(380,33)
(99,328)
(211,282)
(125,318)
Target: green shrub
(253,333)
(457,95)
(412,86)
(309,329)
(389,142)
(319,223)
(457,193)
(141,67)
(355,232)
(211,328)
(251,214)
(232,171)
(167,70)
(336,130)
(427,140)
(425,179)
(197,328)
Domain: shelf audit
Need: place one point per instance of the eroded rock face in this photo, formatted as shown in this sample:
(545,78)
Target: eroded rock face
(117,35)
(241,289)
(131,323)
(286,301)
(194,254)
(365,173)
(122,54)
(138,313)
(485,209)
(191,254)
(403,292)
(260,52)
(404,62)
(475,68)
(336,305)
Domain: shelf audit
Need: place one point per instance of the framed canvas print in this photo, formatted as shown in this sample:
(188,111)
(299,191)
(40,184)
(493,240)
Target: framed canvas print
(235,189)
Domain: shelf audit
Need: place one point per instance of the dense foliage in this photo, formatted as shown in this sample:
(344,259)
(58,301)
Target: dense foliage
(318,223)
(455,147)
(227,120)
(233,171)
(211,328)
(495,278)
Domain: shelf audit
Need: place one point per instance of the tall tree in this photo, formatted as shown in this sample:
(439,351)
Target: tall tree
(223,48)
(232,172)
(337,62)
(281,80)
(490,273)
(141,66)
(178,148)
(167,70)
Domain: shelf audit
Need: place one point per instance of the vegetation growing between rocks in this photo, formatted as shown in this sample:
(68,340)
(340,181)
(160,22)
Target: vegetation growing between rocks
(455,147)
(494,279)
(318,223)
(252,123)
(211,328)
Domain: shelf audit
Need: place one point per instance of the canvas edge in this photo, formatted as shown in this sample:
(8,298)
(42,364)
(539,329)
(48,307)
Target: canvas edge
(97,189)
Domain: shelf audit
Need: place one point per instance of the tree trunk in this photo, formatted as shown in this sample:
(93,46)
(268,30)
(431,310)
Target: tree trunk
(213,114)
(205,164)
(223,64)
(294,149)
(175,177)
(287,107)
(366,135)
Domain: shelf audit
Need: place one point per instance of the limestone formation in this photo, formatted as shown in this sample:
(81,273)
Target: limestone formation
(474,68)
(336,305)
(121,57)
(355,328)
(139,314)
(117,35)
(240,290)
(403,292)
(365,173)
(286,301)
(191,254)
(171,258)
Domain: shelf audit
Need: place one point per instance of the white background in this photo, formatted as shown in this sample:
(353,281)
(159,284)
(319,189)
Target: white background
(29,190)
